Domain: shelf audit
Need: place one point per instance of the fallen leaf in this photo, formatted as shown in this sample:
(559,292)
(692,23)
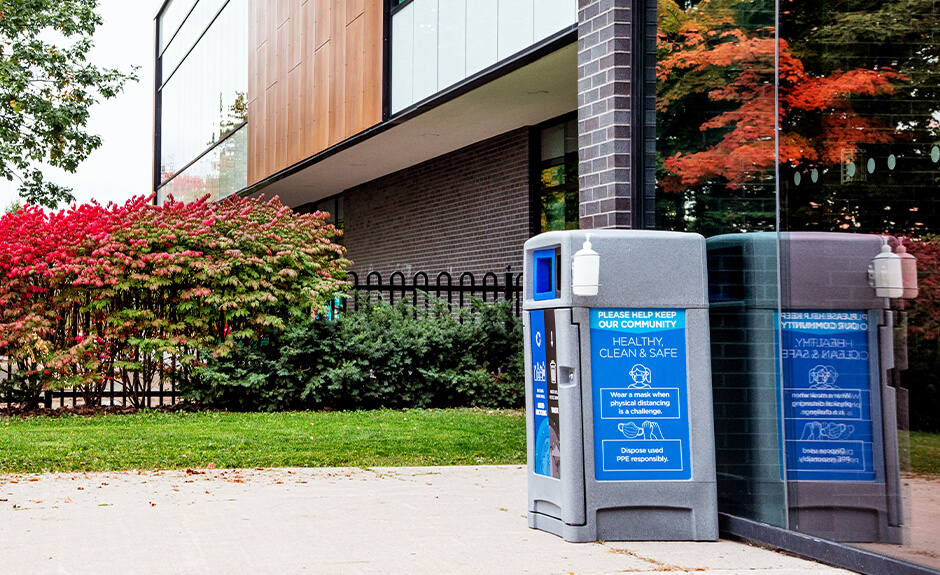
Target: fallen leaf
(68,499)
(33,479)
(210,466)
(152,504)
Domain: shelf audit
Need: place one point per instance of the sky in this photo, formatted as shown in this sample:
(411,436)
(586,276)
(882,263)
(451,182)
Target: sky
(122,166)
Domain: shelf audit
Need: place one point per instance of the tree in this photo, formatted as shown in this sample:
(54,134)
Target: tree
(47,87)
(92,293)
(719,62)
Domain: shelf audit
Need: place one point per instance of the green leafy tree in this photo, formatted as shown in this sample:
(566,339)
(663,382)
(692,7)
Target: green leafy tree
(47,87)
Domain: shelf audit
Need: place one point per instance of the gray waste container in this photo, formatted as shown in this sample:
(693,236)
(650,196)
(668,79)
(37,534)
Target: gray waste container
(618,389)
(807,433)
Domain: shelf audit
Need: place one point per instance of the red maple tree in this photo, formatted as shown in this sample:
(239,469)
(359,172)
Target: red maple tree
(705,51)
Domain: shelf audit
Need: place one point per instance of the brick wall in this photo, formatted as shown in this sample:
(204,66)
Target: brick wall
(612,164)
(465,211)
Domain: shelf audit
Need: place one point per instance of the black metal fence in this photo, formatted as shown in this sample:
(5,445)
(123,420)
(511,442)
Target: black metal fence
(162,391)
(457,293)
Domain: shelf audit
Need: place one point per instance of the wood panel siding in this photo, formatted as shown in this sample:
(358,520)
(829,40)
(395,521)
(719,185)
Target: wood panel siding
(314,78)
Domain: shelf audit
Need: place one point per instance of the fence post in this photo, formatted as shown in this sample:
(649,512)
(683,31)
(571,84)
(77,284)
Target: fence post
(508,279)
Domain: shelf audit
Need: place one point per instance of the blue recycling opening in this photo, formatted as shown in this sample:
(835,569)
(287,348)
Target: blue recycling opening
(544,277)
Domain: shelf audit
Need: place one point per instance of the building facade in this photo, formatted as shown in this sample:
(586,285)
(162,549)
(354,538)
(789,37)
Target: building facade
(441,134)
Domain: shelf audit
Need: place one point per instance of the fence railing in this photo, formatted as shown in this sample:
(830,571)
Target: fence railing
(456,291)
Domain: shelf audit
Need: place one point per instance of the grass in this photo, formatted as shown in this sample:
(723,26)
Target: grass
(154,440)
(925,452)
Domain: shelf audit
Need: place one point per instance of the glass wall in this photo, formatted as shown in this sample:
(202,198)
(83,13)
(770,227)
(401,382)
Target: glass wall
(171,19)
(203,102)
(716,175)
(859,161)
(196,24)
(219,173)
(803,140)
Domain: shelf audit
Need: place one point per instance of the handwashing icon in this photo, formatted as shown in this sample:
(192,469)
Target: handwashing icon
(817,430)
(648,430)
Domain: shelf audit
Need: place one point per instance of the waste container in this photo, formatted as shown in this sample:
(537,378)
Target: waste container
(618,389)
(807,433)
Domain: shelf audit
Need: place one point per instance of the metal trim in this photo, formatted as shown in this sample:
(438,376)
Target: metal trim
(393,9)
(822,550)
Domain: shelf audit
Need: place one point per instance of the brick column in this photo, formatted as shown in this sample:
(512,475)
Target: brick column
(613,155)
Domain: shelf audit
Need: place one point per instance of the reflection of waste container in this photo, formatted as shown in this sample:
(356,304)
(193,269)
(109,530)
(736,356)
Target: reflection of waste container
(816,448)
(618,389)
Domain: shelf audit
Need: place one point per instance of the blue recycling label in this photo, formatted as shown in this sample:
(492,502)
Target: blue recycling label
(545,394)
(827,395)
(640,393)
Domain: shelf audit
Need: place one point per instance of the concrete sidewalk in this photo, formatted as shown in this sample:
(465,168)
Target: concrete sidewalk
(394,520)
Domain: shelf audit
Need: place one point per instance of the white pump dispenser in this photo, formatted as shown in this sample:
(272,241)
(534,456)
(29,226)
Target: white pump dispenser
(585,270)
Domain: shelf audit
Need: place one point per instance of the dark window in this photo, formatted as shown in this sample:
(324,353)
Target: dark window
(332,205)
(558,176)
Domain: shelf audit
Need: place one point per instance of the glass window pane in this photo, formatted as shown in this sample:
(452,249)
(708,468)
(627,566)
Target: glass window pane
(859,97)
(171,19)
(189,33)
(219,173)
(206,97)
(715,175)
(558,197)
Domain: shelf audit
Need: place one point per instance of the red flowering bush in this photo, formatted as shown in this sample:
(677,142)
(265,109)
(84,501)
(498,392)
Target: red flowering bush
(93,293)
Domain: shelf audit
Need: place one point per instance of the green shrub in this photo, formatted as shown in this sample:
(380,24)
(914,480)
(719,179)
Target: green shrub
(380,356)
(923,383)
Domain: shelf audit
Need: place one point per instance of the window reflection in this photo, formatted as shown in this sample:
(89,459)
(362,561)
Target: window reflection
(715,116)
(207,96)
(872,68)
(220,173)
(558,197)
(853,136)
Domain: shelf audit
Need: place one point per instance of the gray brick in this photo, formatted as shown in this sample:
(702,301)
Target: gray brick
(468,210)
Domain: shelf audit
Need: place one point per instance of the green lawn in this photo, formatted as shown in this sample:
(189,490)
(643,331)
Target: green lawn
(152,440)
(925,452)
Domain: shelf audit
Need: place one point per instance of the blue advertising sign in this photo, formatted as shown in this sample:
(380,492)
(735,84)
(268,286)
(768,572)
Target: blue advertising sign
(826,395)
(545,393)
(641,395)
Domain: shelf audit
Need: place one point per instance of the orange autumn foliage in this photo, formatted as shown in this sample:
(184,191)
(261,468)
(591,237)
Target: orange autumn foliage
(735,68)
